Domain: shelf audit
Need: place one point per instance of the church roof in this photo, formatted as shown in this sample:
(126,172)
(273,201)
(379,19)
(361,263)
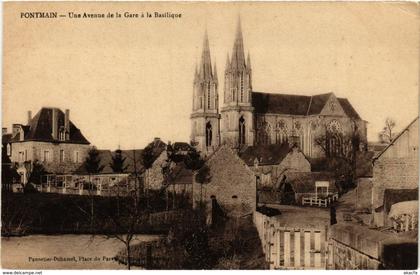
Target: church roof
(297,104)
(266,154)
(40,128)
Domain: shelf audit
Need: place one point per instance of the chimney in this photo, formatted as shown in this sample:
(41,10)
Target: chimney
(54,123)
(29,117)
(3,131)
(67,123)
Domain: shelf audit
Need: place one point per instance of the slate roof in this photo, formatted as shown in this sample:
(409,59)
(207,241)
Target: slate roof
(181,175)
(304,182)
(40,128)
(129,155)
(297,104)
(271,154)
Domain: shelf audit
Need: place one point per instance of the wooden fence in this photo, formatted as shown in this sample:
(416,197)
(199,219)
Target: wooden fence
(291,248)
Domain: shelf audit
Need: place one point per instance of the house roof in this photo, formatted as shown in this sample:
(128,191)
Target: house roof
(40,128)
(105,157)
(396,138)
(304,182)
(181,175)
(266,154)
(297,104)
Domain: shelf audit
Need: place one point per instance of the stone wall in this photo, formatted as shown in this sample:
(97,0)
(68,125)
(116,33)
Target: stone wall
(295,161)
(154,176)
(357,247)
(364,193)
(232,183)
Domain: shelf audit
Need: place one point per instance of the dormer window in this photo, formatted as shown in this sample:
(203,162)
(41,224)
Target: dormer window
(62,134)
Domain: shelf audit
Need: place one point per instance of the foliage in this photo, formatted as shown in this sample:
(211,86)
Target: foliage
(36,173)
(148,157)
(387,134)
(341,155)
(203,175)
(117,164)
(193,160)
(8,173)
(92,162)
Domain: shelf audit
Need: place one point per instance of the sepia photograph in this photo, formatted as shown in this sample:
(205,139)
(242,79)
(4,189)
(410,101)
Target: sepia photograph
(210,136)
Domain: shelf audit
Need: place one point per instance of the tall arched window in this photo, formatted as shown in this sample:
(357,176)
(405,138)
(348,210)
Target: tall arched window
(241,130)
(334,138)
(208,134)
(281,132)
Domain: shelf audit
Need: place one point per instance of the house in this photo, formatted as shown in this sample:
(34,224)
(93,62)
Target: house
(231,186)
(395,168)
(108,182)
(49,137)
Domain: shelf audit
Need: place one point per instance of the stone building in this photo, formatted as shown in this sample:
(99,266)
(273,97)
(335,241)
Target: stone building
(232,184)
(249,118)
(50,138)
(270,162)
(397,169)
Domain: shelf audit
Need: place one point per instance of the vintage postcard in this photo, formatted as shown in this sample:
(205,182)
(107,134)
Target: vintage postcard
(210,135)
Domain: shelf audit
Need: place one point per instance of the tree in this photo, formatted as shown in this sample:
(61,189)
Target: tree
(35,175)
(341,154)
(148,158)
(9,173)
(196,163)
(93,166)
(387,134)
(117,164)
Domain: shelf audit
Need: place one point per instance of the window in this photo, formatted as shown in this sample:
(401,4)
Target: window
(76,157)
(46,156)
(62,135)
(9,150)
(208,134)
(21,156)
(241,131)
(61,155)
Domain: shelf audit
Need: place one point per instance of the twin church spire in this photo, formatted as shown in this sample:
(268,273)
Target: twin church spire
(206,131)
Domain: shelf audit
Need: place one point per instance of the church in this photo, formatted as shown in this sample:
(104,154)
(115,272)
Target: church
(250,118)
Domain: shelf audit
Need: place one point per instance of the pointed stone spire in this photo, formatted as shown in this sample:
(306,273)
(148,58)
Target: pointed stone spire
(205,66)
(248,61)
(238,55)
(196,72)
(227,62)
(215,72)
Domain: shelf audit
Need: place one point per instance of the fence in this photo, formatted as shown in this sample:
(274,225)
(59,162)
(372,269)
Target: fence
(291,248)
(314,200)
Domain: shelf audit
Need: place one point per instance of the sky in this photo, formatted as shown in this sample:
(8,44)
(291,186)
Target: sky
(128,80)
